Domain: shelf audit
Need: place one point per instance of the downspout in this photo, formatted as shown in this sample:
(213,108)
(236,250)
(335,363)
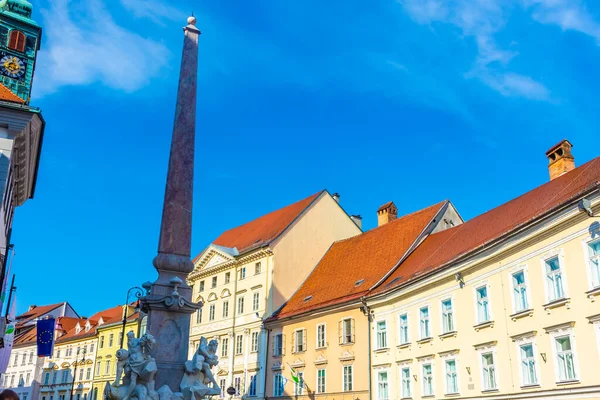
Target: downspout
(367,311)
(264,375)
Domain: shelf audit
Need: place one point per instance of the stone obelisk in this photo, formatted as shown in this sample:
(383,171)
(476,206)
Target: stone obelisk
(168,302)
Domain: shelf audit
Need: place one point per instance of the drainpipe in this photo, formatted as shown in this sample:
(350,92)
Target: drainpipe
(367,311)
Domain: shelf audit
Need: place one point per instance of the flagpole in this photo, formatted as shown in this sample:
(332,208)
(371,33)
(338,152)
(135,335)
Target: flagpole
(12,287)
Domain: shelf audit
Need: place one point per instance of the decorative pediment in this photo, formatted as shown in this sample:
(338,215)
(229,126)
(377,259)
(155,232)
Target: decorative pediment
(277,366)
(321,360)
(65,365)
(225,293)
(298,363)
(347,356)
(200,299)
(212,297)
(214,256)
(222,372)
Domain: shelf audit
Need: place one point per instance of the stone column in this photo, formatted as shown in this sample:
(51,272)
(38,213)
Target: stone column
(247,339)
(168,302)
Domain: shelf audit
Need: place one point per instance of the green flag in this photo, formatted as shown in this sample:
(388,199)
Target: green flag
(294,375)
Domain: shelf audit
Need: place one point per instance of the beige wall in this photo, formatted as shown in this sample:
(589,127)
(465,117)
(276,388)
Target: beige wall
(539,326)
(299,249)
(332,357)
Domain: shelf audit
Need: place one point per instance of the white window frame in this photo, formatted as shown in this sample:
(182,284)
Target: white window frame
(253,342)
(324,389)
(457,369)
(351,334)
(344,383)
(406,314)
(489,302)
(224,346)
(442,317)
(324,336)
(212,309)
(588,262)
(383,334)
(511,273)
(554,337)
(299,387)
(561,261)
(278,386)
(423,364)
(240,343)
(225,309)
(255,301)
(242,273)
(528,342)
(297,349)
(404,395)
(429,325)
(280,350)
(481,353)
(240,305)
(387,382)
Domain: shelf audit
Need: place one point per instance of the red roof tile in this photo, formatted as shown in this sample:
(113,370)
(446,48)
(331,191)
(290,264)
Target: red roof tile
(265,229)
(38,311)
(109,316)
(446,246)
(7,95)
(367,257)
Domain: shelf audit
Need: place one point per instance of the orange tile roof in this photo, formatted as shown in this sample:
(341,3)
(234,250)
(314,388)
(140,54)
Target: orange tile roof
(265,229)
(368,257)
(7,95)
(109,316)
(446,246)
(36,312)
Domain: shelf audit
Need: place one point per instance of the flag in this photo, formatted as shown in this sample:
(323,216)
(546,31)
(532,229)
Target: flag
(295,377)
(9,334)
(45,337)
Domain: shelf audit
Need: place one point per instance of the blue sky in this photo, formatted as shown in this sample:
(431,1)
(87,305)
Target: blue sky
(414,101)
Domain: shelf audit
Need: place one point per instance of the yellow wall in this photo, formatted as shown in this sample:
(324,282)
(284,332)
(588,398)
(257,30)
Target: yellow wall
(332,357)
(568,240)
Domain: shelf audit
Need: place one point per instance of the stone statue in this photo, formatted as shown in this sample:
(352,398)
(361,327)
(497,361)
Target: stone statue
(135,371)
(198,375)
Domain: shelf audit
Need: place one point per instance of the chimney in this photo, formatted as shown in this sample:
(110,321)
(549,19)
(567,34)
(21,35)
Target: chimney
(336,197)
(31,307)
(560,159)
(386,213)
(357,220)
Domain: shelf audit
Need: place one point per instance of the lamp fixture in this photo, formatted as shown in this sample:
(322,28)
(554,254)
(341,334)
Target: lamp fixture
(459,278)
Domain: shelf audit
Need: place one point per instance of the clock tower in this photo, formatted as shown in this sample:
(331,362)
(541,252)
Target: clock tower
(19,42)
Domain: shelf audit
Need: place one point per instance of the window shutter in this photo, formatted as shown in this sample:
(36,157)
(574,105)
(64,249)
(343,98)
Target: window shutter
(12,43)
(20,41)
(304,339)
(294,341)
(340,332)
(273,350)
(352,330)
(282,344)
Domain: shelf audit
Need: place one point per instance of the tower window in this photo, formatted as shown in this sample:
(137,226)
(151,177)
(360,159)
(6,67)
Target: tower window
(17,41)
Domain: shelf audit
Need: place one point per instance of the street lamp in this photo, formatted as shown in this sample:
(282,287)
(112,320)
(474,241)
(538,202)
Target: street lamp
(138,292)
(75,370)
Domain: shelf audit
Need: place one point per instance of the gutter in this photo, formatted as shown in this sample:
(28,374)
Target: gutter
(367,311)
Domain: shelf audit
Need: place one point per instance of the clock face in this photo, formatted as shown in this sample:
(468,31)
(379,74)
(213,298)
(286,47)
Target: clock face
(12,66)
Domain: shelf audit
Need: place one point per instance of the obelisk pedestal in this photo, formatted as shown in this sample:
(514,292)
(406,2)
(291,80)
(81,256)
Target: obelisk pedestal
(168,302)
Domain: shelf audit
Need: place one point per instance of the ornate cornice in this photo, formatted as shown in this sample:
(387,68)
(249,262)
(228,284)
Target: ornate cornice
(200,273)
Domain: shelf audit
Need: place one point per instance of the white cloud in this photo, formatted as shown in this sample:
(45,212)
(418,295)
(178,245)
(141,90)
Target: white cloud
(569,15)
(156,11)
(84,45)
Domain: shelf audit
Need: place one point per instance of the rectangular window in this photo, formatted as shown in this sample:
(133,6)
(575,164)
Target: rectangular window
(101,345)
(88,374)
(382,386)
(564,359)
(92,348)
(257,268)
(348,384)
(211,312)
(201,286)
(252,389)
(299,387)
(111,339)
(425,325)
(81,374)
(24,359)
(321,343)
(406,383)
(214,282)
(239,344)
(488,369)
(224,346)
(242,273)
(554,279)
(277,385)
(107,368)
(65,375)
(223,385)
(98,366)
(520,291)
(240,309)
(254,348)
(225,309)
(381,335)
(451,377)
(321,381)
(300,340)
(483,305)
(227,277)
(427,380)
(594,251)
(278,345)
(403,324)
(255,301)
(237,383)
(46,378)
(447,316)
(198,317)
(54,377)
(346,331)
(528,367)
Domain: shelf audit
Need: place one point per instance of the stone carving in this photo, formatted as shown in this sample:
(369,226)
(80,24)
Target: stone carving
(135,371)
(198,374)
(173,301)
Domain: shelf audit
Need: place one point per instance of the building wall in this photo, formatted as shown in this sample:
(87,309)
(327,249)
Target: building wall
(24,372)
(332,357)
(300,248)
(577,317)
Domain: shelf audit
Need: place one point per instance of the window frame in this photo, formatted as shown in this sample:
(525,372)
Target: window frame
(528,342)
(555,336)
(297,348)
(443,317)
(559,254)
(343,334)
(224,346)
(482,353)
(400,326)
(520,270)
(344,382)
(456,372)
(254,343)
(278,386)
(212,310)
(319,389)
(281,348)
(255,301)
(488,297)
(587,242)
(324,326)
(225,311)
(379,382)
(423,391)
(19,35)
(239,345)
(404,395)
(240,305)
(422,335)
(383,345)
(214,282)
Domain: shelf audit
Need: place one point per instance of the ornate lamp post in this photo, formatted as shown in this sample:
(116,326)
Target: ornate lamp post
(138,292)
(75,370)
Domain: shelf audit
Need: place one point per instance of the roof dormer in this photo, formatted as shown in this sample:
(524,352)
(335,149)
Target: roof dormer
(87,325)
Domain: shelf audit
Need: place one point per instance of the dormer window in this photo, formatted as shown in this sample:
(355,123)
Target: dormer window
(87,326)
(78,328)
(17,41)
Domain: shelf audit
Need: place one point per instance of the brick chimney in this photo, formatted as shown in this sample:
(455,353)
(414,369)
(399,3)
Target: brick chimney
(560,159)
(386,213)
(31,307)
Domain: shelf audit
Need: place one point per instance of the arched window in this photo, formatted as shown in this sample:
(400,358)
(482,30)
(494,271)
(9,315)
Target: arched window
(17,41)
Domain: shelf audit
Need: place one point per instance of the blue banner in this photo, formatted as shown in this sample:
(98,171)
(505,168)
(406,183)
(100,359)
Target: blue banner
(45,337)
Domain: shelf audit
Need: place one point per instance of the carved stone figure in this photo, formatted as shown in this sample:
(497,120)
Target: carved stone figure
(135,371)
(198,375)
